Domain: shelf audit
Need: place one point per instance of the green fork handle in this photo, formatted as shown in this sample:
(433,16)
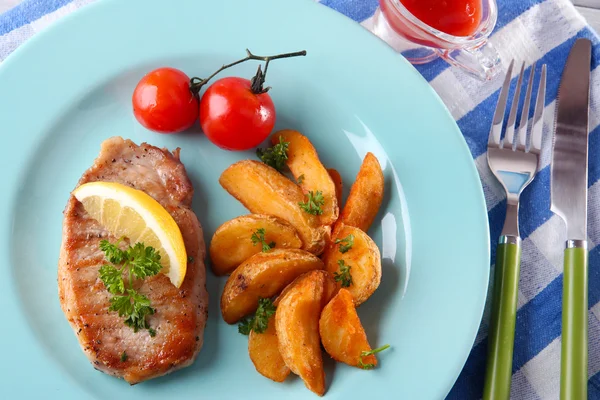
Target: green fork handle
(574,347)
(502,325)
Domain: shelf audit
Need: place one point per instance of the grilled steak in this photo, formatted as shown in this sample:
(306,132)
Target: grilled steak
(180,312)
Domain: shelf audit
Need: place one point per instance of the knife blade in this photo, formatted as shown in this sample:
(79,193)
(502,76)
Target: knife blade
(568,190)
(568,182)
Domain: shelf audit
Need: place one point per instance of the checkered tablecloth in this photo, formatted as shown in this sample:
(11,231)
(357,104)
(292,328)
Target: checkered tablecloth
(527,30)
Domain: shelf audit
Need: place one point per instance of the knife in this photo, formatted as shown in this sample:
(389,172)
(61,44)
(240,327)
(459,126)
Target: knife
(568,189)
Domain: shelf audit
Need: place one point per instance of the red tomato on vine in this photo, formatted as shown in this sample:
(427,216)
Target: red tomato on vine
(163,102)
(235,113)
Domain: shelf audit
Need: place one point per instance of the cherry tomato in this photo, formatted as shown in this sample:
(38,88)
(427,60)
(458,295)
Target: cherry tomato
(163,102)
(233,117)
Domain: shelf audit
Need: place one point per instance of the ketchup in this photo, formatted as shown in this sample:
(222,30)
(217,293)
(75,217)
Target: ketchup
(454,17)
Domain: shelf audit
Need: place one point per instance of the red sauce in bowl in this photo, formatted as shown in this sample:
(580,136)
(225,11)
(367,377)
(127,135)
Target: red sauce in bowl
(454,17)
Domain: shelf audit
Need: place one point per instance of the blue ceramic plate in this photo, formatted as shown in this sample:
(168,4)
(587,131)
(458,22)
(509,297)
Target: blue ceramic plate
(70,88)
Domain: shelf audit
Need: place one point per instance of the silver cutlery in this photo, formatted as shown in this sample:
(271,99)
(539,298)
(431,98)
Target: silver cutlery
(568,188)
(514,161)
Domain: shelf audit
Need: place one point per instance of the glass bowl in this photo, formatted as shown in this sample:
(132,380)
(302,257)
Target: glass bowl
(421,43)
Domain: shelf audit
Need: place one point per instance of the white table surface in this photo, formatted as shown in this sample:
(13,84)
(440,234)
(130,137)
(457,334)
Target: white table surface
(590,9)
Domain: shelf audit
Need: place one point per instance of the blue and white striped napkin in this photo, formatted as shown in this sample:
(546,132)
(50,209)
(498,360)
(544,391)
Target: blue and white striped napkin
(527,30)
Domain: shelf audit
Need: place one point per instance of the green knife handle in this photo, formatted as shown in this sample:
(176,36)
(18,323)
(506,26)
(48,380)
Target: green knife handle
(501,336)
(574,347)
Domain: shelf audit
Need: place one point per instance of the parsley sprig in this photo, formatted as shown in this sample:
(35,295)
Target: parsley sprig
(259,322)
(345,243)
(275,156)
(344,275)
(139,262)
(259,237)
(313,203)
(362,365)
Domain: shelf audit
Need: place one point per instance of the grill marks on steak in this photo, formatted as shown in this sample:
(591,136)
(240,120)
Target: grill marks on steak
(181,313)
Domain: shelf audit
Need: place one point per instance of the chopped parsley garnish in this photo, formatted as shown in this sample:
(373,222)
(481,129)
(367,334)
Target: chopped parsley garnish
(259,237)
(275,156)
(112,252)
(300,179)
(345,243)
(343,276)
(313,203)
(134,307)
(137,262)
(259,322)
(124,357)
(368,353)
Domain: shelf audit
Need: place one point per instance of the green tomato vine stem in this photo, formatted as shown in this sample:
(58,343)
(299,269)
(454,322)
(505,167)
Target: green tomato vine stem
(258,80)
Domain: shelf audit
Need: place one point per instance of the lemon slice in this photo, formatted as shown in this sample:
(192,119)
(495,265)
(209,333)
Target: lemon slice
(137,216)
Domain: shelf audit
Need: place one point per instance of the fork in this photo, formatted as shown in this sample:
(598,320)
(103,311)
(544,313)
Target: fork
(514,160)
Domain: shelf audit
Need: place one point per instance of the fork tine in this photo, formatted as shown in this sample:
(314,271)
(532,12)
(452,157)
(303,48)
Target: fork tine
(498,121)
(512,116)
(522,131)
(538,115)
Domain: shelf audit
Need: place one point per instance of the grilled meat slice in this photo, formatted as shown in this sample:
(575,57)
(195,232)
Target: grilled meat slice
(180,312)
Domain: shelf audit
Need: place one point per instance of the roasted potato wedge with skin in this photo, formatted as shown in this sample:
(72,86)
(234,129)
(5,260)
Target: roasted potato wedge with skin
(263,275)
(303,161)
(342,334)
(231,244)
(297,326)
(363,258)
(263,349)
(330,287)
(366,195)
(263,190)
(337,181)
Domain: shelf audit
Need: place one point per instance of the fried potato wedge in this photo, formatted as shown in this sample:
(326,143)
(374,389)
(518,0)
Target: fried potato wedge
(330,287)
(363,258)
(342,334)
(263,349)
(303,161)
(297,327)
(366,195)
(232,242)
(337,181)
(263,190)
(263,275)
